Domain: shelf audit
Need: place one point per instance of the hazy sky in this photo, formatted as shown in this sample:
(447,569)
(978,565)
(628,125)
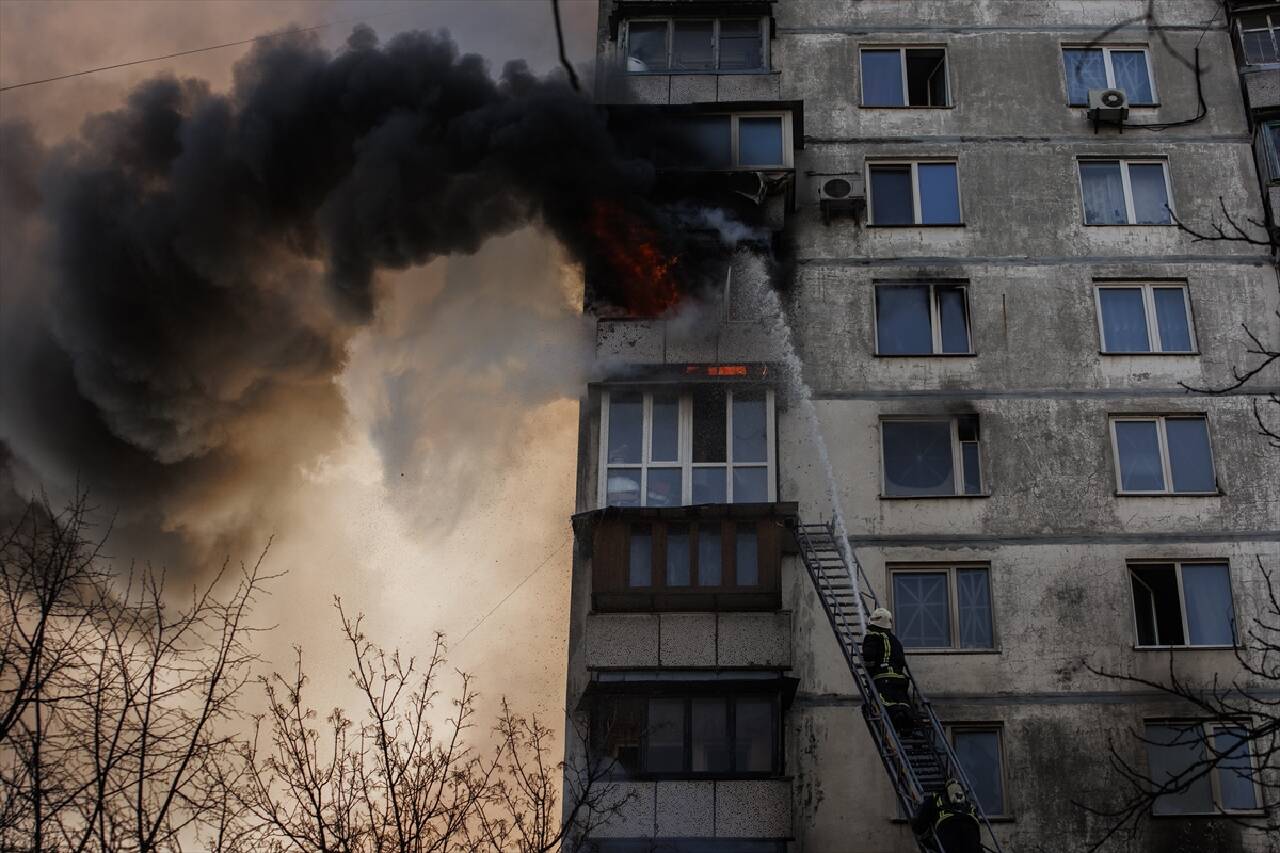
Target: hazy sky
(454,371)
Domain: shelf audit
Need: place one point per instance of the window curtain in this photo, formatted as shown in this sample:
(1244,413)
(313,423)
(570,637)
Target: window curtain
(1130,69)
(1103,194)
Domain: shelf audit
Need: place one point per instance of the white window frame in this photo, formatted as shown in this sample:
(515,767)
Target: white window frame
(915,192)
(1130,214)
(1209,728)
(1272,27)
(1163,441)
(957,457)
(684,453)
(902,62)
(953,602)
(935,319)
(1149,309)
(1111,74)
(761,23)
(998,728)
(1182,603)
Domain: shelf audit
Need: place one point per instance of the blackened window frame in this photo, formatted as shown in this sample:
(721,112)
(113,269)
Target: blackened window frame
(958,469)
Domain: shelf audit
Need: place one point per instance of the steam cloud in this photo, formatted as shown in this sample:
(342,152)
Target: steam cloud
(184,280)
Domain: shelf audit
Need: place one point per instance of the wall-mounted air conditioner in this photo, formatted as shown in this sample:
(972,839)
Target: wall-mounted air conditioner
(1110,106)
(841,193)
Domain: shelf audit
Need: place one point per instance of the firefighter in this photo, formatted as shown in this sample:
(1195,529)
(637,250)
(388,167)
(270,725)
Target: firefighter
(882,654)
(952,818)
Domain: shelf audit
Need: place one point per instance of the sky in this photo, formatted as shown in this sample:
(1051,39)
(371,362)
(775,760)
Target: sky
(473,397)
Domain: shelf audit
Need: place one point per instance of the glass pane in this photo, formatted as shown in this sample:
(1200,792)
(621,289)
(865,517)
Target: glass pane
(640,562)
(709,555)
(1130,70)
(917,458)
(622,487)
(750,485)
(646,45)
(952,314)
(741,47)
(626,428)
(882,78)
(1258,47)
(692,48)
(1190,459)
(1103,194)
(1124,320)
(922,611)
(1150,199)
(973,598)
(1171,318)
(753,736)
(971,458)
(1139,452)
(1236,773)
(891,202)
(709,485)
(939,194)
(979,755)
(664,487)
(902,320)
(1206,587)
(747,557)
(665,736)
(927,77)
(1085,70)
(664,442)
(1173,750)
(760,141)
(711,139)
(1156,591)
(678,556)
(709,425)
(750,427)
(710,736)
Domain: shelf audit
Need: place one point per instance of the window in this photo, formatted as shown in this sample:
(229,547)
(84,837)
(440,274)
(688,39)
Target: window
(667,448)
(931,457)
(1145,318)
(981,755)
(1259,37)
(1183,604)
(947,607)
(1269,142)
(702,735)
(707,45)
(1163,455)
(904,77)
(1127,68)
(746,140)
(1125,192)
(922,319)
(711,555)
(1183,753)
(924,193)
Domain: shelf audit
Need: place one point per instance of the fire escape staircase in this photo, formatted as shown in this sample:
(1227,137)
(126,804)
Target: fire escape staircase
(918,765)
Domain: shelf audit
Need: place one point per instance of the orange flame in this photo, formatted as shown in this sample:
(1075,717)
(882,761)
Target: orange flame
(646,275)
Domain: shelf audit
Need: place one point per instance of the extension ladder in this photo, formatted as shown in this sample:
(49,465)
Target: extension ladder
(918,765)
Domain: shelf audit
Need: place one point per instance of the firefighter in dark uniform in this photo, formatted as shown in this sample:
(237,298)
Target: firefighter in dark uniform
(951,818)
(882,655)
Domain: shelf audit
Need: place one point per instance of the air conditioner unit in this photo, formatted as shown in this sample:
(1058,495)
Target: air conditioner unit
(1107,105)
(838,193)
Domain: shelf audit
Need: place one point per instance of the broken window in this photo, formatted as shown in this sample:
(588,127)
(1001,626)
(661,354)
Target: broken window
(712,444)
(922,319)
(693,45)
(1125,68)
(931,457)
(1142,318)
(904,77)
(943,607)
(923,193)
(1163,455)
(981,754)
(1183,604)
(1260,37)
(1179,755)
(1125,192)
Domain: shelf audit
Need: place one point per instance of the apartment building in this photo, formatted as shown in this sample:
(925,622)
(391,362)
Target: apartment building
(997,319)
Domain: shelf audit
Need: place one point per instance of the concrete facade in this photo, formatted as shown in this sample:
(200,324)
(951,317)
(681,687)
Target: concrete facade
(1051,523)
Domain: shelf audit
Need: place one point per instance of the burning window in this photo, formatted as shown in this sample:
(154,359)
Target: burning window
(712,444)
(667,45)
